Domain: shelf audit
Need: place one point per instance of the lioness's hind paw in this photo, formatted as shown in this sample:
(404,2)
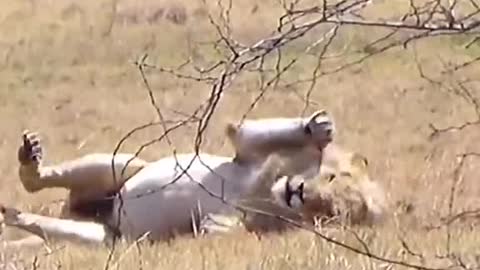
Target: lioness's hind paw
(217,223)
(31,150)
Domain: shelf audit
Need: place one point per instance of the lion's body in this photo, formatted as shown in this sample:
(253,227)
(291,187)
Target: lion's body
(161,197)
(195,194)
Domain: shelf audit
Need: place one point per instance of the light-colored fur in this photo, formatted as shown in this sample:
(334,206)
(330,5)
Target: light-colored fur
(342,191)
(346,193)
(160,197)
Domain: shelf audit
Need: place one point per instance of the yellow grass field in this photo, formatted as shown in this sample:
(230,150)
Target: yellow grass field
(66,70)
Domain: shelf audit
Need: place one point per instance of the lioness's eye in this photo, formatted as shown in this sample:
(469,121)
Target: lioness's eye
(346,174)
(331,177)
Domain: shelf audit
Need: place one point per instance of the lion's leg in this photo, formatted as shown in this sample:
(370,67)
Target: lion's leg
(89,173)
(255,139)
(225,222)
(252,222)
(55,228)
(32,241)
(258,198)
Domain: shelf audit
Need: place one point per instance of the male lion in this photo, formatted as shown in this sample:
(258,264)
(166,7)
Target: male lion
(159,198)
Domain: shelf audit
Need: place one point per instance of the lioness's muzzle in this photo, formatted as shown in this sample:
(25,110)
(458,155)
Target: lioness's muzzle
(289,193)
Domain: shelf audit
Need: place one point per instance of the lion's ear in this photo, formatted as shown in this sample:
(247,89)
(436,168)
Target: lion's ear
(359,160)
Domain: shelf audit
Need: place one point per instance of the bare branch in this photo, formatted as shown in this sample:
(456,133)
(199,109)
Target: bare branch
(296,24)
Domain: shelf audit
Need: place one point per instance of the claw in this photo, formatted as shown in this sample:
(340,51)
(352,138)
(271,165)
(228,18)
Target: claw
(31,150)
(216,223)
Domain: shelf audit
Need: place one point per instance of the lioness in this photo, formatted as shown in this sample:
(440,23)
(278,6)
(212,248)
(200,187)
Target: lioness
(160,197)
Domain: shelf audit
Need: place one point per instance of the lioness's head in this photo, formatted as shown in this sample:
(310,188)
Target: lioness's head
(346,193)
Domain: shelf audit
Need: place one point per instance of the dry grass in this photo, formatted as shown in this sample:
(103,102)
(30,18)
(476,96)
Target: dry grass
(65,71)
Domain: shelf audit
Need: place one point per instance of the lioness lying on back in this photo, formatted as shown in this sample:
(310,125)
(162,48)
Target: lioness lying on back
(92,214)
(299,187)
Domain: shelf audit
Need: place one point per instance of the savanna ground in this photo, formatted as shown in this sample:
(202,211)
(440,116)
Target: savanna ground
(66,70)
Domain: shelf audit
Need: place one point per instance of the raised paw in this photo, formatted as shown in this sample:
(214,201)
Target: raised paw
(30,152)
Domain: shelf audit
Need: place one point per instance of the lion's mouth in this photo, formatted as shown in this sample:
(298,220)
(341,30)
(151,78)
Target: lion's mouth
(291,192)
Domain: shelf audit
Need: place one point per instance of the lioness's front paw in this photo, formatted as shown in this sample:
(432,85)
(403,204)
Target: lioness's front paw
(217,223)
(30,152)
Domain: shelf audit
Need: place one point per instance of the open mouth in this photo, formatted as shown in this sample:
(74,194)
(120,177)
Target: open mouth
(290,193)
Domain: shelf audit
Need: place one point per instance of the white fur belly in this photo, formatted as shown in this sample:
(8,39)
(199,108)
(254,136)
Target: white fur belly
(152,203)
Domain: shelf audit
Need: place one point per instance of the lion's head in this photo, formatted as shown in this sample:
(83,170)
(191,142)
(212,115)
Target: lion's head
(345,193)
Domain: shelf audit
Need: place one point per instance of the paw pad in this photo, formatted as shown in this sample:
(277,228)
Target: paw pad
(31,150)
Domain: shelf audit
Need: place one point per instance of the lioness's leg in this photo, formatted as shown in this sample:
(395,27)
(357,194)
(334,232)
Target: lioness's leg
(221,223)
(231,219)
(32,241)
(89,173)
(55,228)
(256,139)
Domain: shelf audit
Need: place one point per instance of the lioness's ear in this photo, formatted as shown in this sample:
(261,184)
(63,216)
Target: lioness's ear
(359,160)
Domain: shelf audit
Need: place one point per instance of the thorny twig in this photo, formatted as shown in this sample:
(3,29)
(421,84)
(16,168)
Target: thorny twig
(458,89)
(451,217)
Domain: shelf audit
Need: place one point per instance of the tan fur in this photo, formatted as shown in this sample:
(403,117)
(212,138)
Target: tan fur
(231,131)
(261,199)
(351,196)
(85,178)
(253,148)
(89,178)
